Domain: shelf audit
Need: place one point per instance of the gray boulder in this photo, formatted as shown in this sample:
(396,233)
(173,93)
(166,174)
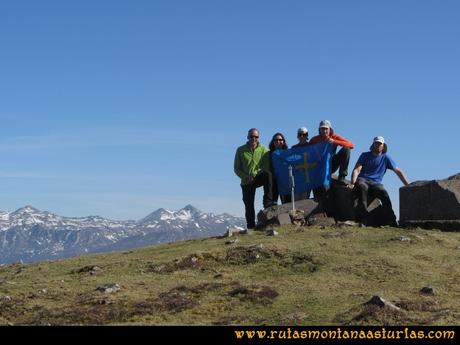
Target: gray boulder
(431,204)
(109,288)
(278,214)
(342,203)
(428,290)
(380,302)
(284,218)
(321,219)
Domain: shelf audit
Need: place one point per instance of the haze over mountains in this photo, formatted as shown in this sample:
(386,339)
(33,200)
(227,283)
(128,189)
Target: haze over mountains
(29,234)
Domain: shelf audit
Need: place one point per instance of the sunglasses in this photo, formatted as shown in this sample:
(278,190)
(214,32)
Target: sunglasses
(254,137)
(302,134)
(279,139)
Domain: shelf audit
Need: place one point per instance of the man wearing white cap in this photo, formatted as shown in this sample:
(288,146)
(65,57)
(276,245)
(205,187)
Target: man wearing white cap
(369,171)
(340,159)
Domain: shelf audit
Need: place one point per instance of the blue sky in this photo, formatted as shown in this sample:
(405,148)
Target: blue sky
(117,108)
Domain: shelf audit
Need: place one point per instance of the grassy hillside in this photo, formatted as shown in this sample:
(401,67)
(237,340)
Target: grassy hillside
(304,276)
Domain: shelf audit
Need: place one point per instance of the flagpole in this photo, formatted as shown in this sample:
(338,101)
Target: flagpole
(292,183)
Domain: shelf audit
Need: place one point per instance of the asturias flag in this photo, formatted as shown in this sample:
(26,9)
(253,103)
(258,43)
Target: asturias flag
(310,167)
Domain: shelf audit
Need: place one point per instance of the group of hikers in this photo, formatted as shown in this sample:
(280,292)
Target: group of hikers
(253,165)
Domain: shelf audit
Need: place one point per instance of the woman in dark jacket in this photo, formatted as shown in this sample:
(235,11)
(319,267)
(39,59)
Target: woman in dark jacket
(278,142)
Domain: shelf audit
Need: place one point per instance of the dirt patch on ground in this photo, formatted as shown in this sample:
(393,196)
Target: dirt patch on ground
(182,297)
(423,311)
(234,256)
(193,262)
(230,320)
(239,255)
(249,255)
(88,309)
(12,307)
(94,309)
(337,234)
(293,319)
(419,305)
(372,314)
(177,299)
(301,259)
(254,294)
(4,322)
(91,314)
(95,298)
(146,307)
(375,269)
(297,261)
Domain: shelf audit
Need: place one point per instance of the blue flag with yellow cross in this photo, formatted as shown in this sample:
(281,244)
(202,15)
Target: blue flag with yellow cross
(311,167)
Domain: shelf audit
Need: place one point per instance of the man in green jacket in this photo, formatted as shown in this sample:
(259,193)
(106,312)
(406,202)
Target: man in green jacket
(252,165)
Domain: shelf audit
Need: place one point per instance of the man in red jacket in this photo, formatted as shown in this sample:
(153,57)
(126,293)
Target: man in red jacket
(340,159)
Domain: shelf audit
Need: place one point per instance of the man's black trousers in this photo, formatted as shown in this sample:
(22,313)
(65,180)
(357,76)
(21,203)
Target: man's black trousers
(264,179)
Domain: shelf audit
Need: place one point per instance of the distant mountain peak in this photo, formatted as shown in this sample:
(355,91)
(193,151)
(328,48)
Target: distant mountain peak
(30,207)
(155,215)
(160,211)
(27,209)
(190,208)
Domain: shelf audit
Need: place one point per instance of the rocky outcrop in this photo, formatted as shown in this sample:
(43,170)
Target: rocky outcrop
(343,205)
(431,204)
(282,214)
(338,204)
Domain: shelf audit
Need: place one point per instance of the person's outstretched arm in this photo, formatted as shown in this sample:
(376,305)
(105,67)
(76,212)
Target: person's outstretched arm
(401,176)
(354,175)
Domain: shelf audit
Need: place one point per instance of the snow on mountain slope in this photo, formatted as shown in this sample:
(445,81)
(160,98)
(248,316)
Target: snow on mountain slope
(30,234)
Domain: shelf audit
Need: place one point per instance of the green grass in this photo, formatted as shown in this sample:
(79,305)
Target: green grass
(304,276)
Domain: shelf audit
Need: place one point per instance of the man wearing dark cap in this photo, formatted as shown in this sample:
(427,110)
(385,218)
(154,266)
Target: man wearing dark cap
(341,159)
(302,136)
(252,166)
(368,174)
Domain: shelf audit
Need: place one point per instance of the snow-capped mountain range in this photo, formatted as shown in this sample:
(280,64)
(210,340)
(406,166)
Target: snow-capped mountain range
(29,234)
